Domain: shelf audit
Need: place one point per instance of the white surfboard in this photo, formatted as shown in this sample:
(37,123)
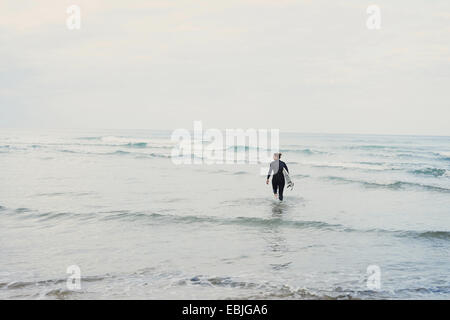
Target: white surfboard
(287,178)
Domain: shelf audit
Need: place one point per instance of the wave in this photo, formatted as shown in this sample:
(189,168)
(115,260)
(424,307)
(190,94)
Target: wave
(7,148)
(138,155)
(23,284)
(338,293)
(137,145)
(372,163)
(89,138)
(118,153)
(152,155)
(418,234)
(304,151)
(399,151)
(14,285)
(125,142)
(287,292)
(262,289)
(257,222)
(55,289)
(397,185)
(444,156)
(26,213)
(265,289)
(371,147)
(353,166)
(218,282)
(59,194)
(422,290)
(60,294)
(242,148)
(300,175)
(68,151)
(245,288)
(246,221)
(240,172)
(444,235)
(430,171)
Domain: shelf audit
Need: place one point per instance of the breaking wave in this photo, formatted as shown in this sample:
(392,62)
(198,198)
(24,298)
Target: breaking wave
(430,172)
(396,185)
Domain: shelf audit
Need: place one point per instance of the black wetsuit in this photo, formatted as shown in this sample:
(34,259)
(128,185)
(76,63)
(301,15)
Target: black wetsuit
(277,167)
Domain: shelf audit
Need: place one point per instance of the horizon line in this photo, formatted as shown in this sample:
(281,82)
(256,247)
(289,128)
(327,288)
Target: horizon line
(190,129)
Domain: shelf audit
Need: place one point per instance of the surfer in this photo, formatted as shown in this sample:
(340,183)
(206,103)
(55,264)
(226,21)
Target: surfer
(277,166)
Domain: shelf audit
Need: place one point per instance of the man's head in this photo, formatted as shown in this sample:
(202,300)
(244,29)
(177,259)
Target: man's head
(276,156)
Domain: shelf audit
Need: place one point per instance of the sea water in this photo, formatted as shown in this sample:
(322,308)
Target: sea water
(114,204)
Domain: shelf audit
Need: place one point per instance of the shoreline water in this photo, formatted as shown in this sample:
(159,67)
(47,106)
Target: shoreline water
(139,226)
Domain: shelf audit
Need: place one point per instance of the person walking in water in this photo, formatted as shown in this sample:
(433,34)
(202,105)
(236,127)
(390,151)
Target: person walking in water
(277,166)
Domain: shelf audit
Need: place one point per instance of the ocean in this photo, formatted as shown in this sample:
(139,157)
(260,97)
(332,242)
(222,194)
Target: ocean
(138,226)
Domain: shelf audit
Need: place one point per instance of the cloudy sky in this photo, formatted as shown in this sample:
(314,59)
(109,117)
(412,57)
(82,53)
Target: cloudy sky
(306,66)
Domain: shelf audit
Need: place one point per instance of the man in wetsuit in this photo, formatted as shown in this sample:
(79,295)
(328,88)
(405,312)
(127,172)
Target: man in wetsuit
(277,166)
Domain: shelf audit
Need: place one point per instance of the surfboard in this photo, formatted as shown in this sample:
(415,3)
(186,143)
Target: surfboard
(287,178)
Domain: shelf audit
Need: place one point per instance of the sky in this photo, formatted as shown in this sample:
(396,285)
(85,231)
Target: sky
(303,66)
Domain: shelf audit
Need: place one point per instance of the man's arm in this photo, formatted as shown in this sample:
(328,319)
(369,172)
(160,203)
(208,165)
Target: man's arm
(269,173)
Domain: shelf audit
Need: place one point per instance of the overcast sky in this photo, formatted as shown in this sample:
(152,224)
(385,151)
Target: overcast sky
(305,66)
